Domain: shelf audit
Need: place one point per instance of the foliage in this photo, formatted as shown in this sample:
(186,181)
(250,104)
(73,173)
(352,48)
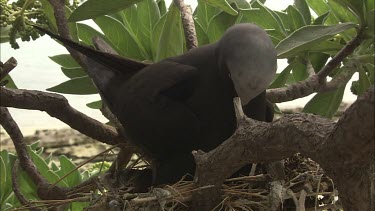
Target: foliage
(49,170)
(146,31)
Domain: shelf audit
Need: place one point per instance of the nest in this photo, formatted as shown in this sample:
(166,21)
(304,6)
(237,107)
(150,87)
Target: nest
(305,185)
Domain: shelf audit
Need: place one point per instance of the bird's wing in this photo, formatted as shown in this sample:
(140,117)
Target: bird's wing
(111,61)
(167,78)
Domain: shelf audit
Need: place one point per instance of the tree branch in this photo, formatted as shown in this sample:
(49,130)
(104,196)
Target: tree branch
(7,67)
(316,82)
(312,136)
(57,106)
(188,24)
(26,163)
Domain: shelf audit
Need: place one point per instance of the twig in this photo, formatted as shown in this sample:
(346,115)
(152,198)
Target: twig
(16,188)
(7,67)
(63,29)
(188,24)
(57,106)
(316,82)
(26,163)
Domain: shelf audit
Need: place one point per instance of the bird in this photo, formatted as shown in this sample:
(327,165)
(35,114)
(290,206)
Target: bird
(185,103)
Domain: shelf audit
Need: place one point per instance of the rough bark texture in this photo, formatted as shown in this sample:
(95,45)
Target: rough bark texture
(57,106)
(344,150)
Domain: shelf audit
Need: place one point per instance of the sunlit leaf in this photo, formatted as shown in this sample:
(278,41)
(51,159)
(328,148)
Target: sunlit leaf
(218,25)
(94,8)
(75,72)
(296,20)
(224,5)
(304,9)
(95,104)
(78,86)
(65,60)
(308,36)
(325,104)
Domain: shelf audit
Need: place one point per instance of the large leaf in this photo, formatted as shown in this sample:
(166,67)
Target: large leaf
(130,19)
(296,20)
(67,165)
(304,9)
(224,5)
(325,104)
(204,14)
(147,16)
(327,47)
(265,18)
(321,19)
(318,60)
(341,12)
(65,60)
(79,86)
(75,72)
(299,71)
(356,7)
(218,25)
(95,105)
(321,7)
(306,37)
(168,39)
(94,8)
(201,34)
(86,33)
(119,37)
(282,78)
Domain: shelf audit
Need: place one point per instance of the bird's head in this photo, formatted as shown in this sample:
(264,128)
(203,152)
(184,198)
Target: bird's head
(247,54)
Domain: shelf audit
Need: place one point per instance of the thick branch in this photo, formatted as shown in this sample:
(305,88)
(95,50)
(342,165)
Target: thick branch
(334,147)
(188,24)
(26,163)
(7,67)
(63,28)
(57,106)
(315,83)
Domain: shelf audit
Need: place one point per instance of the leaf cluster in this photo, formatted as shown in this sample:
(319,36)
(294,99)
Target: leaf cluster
(49,169)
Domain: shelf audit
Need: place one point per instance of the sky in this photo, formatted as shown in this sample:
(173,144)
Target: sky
(36,72)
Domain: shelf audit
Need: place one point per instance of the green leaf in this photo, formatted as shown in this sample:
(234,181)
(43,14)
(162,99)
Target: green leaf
(364,82)
(296,20)
(224,5)
(320,7)
(86,33)
(95,104)
(282,78)
(168,39)
(78,86)
(201,34)
(65,60)
(355,7)
(95,8)
(204,14)
(10,83)
(304,9)
(162,7)
(318,60)
(119,37)
(28,188)
(148,15)
(306,37)
(341,12)
(129,19)
(218,25)
(299,71)
(75,72)
(43,168)
(325,104)
(321,19)
(284,19)
(265,18)
(67,165)
(328,47)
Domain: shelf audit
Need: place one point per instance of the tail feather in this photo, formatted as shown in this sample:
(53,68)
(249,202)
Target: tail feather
(111,61)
